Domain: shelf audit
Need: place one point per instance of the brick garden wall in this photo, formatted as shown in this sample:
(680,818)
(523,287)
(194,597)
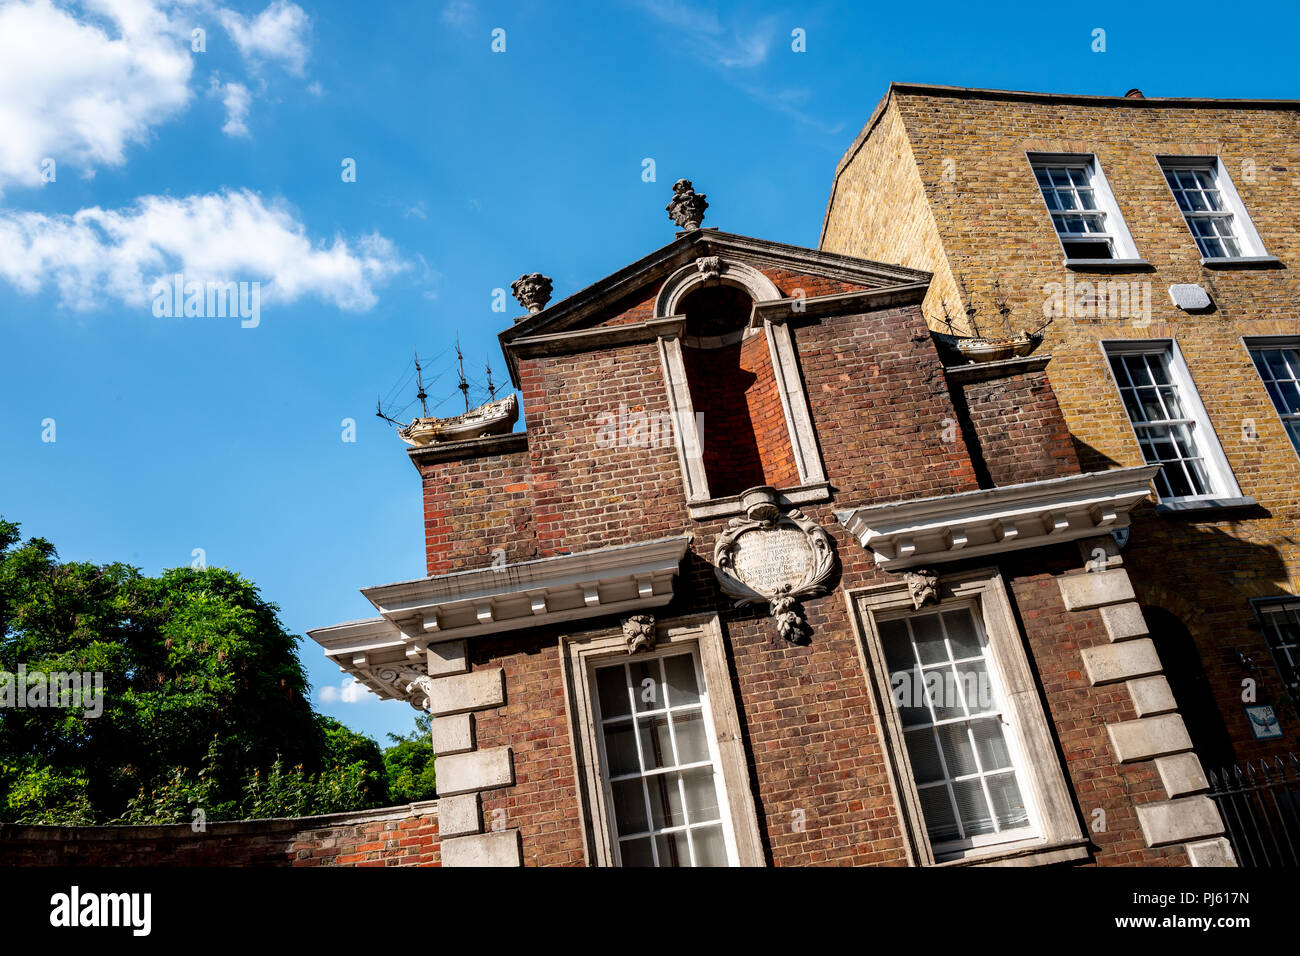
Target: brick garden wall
(392,836)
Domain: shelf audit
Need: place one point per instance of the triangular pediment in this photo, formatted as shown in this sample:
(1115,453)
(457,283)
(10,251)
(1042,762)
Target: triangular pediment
(616,293)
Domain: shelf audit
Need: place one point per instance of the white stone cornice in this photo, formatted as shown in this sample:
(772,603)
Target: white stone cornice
(928,531)
(378,652)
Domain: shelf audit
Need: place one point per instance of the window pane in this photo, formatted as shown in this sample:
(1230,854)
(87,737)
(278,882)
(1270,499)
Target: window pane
(910,697)
(701,795)
(929,639)
(673,849)
(972,807)
(666,808)
(637,852)
(620,748)
(945,699)
(990,744)
(710,847)
(940,821)
(645,684)
(976,686)
(1008,806)
(924,756)
(957,750)
(692,739)
(962,635)
(611,684)
(629,807)
(682,688)
(897,645)
(656,745)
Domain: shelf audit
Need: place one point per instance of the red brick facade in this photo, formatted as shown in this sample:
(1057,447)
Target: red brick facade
(889,426)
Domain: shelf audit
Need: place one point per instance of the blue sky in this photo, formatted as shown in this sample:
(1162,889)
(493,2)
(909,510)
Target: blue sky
(472,167)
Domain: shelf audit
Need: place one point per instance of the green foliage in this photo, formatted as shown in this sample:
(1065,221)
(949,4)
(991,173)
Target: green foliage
(205,701)
(408,765)
(45,795)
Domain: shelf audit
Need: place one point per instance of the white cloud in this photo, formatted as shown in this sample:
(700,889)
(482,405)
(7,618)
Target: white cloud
(236,99)
(277,33)
(80,90)
(457,13)
(351,691)
(709,39)
(98,256)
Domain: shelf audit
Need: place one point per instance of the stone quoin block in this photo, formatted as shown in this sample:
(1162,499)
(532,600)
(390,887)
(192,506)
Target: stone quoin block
(458,816)
(1216,852)
(479,770)
(1178,821)
(1115,662)
(1151,696)
(501,848)
(1124,621)
(1182,774)
(465,692)
(1095,589)
(447,658)
(1148,737)
(452,735)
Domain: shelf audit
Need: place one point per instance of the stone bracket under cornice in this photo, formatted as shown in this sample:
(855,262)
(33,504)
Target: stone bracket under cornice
(928,531)
(389,653)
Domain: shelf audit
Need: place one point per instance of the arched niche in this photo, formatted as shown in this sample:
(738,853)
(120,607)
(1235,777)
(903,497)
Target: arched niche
(803,483)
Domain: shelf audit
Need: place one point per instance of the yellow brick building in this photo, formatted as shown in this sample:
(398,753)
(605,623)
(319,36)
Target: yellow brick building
(1097,212)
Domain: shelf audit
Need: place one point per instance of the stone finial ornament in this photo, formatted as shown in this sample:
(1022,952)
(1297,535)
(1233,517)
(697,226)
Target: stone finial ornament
(923,585)
(687,207)
(639,632)
(533,291)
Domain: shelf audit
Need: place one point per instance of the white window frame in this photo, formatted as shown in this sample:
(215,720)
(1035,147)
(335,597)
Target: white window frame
(1056,834)
(1019,764)
(1123,248)
(1224,486)
(1289,669)
(1247,238)
(701,634)
(1265,343)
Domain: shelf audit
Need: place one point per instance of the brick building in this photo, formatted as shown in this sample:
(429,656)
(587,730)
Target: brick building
(774,578)
(1159,236)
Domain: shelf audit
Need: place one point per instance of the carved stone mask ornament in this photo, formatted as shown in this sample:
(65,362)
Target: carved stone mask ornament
(774,558)
(639,632)
(923,585)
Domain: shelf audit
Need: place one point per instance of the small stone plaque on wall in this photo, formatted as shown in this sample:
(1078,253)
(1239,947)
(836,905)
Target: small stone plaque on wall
(774,558)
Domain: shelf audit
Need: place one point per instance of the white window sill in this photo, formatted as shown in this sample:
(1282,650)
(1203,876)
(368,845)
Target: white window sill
(1122,264)
(1240,262)
(1176,505)
(1025,853)
(730,506)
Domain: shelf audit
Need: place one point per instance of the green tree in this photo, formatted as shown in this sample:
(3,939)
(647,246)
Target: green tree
(408,765)
(204,699)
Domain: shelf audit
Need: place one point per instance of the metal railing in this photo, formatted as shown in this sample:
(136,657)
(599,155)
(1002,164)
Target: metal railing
(1260,807)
